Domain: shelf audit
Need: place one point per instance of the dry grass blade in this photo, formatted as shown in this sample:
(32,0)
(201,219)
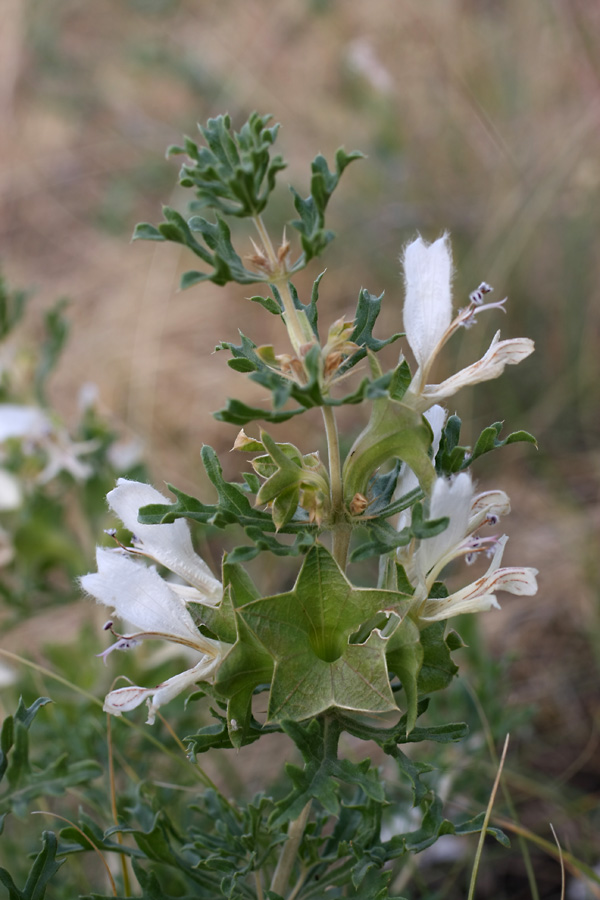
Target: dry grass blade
(577,868)
(562,864)
(486,822)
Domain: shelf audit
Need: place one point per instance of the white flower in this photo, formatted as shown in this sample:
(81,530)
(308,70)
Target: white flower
(479,596)
(455,499)
(155,607)
(491,365)
(124,455)
(18,421)
(428,324)
(29,423)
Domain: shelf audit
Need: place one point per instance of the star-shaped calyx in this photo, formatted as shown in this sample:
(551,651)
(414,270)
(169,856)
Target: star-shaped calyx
(307,631)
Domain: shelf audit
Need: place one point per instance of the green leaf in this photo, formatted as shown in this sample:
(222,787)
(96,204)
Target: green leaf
(390,739)
(306,631)
(246,666)
(450,456)
(422,528)
(367,311)
(380,491)
(404,658)
(474,825)
(14,734)
(53,781)
(144,231)
(234,173)
(453,458)
(150,886)
(384,538)
(57,332)
(321,774)
(488,440)
(12,308)
(44,867)
(268,303)
(238,413)
(26,714)
(308,395)
(438,669)
(233,507)
(311,224)
(214,249)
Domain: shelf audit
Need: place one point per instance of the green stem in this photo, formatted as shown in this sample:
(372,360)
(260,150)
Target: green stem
(289,852)
(331,736)
(341,529)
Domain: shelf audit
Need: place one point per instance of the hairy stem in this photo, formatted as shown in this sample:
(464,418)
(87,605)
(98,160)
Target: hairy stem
(280,280)
(266,240)
(341,529)
(292,320)
(289,852)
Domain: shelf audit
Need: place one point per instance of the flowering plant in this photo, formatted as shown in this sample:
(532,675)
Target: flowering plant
(329,656)
(332,657)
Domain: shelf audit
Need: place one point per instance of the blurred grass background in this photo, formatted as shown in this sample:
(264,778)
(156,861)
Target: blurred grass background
(477,116)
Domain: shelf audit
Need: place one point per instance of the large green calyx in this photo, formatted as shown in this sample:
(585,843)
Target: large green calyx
(307,632)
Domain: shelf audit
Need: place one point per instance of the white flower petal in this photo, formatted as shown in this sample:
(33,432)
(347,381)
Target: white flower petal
(479,596)
(128,698)
(191,594)
(170,545)
(438,610)
(139,595)
(436,416)
(23,422)
(488,502)
(63,456)
(428,301)
(491,365)
(452,498)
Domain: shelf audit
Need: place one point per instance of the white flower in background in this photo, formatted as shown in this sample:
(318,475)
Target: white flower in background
(125,454)
(155,607)
(31,425)
(428,324)
(467,512)
(11,494)
(26,422)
